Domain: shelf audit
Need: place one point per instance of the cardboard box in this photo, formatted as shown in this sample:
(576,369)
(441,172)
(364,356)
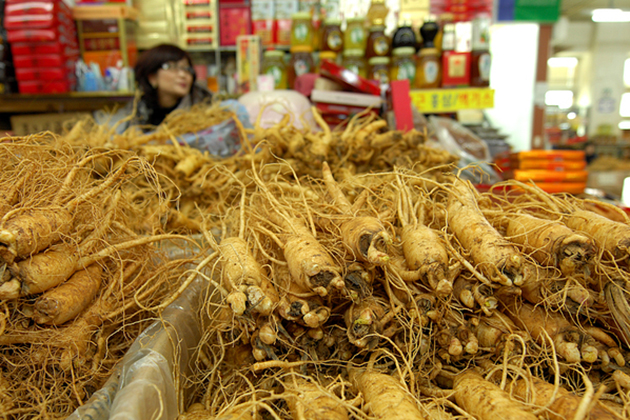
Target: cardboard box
(24,125)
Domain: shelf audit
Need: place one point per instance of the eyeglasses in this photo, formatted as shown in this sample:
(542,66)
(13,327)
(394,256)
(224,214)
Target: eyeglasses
(173,67)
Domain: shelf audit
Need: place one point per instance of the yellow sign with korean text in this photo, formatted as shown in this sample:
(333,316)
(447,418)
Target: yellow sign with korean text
(430,101)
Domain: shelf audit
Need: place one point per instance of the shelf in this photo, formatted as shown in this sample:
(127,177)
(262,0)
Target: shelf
(61,102)
(434,101)
(232,48)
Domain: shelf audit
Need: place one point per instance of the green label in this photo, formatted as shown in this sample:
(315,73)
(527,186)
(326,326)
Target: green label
(276,73)
(334,40)
(356,35)
(406,70)
(300,32)
(381,46)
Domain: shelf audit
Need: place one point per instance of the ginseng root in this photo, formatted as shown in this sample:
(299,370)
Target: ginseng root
(496,257)
(385,397)
(485,400)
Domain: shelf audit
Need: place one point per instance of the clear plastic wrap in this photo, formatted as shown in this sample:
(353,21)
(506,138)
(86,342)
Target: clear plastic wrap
(473,152)
(142,386)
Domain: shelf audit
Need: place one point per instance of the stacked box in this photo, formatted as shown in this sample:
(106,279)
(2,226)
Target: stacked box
(199,25)
(284,9)
(43,41)
(263,13)
(235,19)
(107,35)
(554,171)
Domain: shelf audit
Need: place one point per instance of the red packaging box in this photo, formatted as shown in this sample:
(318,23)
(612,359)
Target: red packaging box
(348,79)
(46,86)
(336,109)
(282,30)
(46,60)
(234,21)
(265,30)
(37,14)
(101,44)
(455,69)
(61,34)
(36,48)
(199,29)
(46,73)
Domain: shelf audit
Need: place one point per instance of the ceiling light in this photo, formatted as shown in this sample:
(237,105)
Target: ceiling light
(562,62)
(610,15)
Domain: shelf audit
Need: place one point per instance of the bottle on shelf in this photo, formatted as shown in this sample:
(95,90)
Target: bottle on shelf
(332,37)
(378,44)
(455,65)
(273,65)
(301,29)
(481,60)
(404,65)
(404,36)
(354,37)
(354,60)
(301,63)
(378,69)
(377,10)
(428,64)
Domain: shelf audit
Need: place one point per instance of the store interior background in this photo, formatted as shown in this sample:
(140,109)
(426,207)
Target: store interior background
(584,96)
(587,92)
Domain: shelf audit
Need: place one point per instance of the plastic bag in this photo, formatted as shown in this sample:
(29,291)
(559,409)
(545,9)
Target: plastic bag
(272,106)
(222,139)
(473,152)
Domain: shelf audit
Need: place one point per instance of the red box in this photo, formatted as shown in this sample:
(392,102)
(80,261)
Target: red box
(36,48)
(46,73)
(401,104)
(455,69)
(282,30)
(46,86)
(337,109)
(61,34)
(45,60)
(37,14)
(352,81)
(234,21)
(265,29)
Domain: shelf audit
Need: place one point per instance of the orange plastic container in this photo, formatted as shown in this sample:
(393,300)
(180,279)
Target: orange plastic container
(557,155)
(538,175)
(550,165)
(560,187)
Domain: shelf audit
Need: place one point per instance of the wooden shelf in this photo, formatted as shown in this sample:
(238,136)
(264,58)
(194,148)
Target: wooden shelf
(61,102)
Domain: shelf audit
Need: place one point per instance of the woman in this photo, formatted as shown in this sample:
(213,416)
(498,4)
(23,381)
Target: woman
(166,78)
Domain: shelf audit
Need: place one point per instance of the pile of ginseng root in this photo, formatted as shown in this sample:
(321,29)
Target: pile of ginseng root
(77,282)
(394,296)
(196,184)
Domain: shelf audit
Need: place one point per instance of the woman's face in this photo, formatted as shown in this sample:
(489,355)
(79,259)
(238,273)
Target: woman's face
(172,81)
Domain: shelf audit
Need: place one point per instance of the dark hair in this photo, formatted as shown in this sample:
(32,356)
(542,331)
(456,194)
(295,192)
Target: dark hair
(150,62)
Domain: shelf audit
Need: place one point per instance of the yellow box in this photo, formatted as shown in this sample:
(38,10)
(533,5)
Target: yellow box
(248,62)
